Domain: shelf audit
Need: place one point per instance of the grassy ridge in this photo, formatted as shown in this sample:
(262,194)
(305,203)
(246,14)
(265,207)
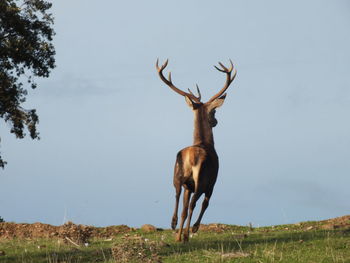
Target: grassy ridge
(305,242)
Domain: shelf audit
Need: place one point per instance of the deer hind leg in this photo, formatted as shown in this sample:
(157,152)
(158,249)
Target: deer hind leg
(204,207)
(177,197)
(178,180)
(194,199)
(187,196)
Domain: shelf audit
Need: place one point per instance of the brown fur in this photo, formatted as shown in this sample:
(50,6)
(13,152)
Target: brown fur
(196,170)
(197,166)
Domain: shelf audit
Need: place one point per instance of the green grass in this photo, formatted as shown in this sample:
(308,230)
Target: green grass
(285,243)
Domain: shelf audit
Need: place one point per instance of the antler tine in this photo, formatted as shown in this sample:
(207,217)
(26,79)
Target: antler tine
(169,83)
(219,69)
(229,79)
(231,66)
(169,76)
(157,67)
(190,92)
(198,91)
(225,69)
(163,66)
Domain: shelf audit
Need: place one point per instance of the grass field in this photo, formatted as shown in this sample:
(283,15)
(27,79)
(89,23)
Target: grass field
(303,242)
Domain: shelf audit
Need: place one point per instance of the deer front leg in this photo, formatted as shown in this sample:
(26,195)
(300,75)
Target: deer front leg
(177,197)
(187,196)
(204,207)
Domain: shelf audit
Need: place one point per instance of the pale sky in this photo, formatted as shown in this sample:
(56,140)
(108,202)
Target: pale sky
(110,129)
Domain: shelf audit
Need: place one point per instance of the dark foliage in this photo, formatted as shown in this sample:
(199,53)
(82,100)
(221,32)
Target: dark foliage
(26,52)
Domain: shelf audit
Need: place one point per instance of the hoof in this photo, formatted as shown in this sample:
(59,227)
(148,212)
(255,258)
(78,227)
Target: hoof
(195,228)
(178,238)
(185,240)
(173,223)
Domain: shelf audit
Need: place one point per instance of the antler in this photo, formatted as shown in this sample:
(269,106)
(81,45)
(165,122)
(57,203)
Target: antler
(168,82)
(229,79)
(198,91)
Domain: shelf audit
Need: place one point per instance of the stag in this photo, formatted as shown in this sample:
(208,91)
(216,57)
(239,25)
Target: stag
(197,166)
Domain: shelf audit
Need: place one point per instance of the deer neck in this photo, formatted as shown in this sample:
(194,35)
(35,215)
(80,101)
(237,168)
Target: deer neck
(203,133)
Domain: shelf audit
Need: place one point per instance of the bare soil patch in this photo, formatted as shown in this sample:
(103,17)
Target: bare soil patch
(217,228)
(79,234)
(137,249)
(336,223)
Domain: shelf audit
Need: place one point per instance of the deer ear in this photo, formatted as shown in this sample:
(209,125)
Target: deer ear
(217,103)
(190,103)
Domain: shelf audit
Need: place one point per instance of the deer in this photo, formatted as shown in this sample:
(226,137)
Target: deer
(196,167)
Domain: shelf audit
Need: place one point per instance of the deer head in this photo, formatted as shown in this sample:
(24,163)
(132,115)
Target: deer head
(203,110)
